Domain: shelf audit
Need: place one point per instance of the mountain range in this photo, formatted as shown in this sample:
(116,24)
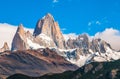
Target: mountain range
(46,50)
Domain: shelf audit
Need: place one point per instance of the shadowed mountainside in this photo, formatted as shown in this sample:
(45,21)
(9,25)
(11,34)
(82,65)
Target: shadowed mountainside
(95,70)
(33,62)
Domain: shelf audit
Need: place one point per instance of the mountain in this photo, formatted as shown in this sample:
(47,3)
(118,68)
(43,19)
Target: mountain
(46,50)
(4,48)
(33,62)
(94,70)
(46,34)
(78,50)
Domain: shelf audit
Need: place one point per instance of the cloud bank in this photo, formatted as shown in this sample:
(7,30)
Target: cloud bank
(111,36)
(7,32)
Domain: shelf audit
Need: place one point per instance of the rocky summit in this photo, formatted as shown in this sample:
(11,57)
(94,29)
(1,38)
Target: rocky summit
(20,40)
(51,29)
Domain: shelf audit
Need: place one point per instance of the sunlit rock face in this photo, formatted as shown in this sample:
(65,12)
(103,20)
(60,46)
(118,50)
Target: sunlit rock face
(50,28)
(20,39)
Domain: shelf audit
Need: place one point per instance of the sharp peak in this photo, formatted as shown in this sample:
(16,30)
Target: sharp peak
(5,42)
(83,35)
(20,28)
(48,15)
(5,45)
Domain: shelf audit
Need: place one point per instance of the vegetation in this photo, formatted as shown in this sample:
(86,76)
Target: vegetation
(95,70)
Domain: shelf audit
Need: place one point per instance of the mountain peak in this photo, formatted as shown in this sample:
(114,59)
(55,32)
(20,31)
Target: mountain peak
(49,15)
(5,47)
(20,29)
(44,25)
(50,28)
(20,39)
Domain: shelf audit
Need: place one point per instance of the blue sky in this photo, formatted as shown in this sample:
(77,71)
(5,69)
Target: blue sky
(76,16)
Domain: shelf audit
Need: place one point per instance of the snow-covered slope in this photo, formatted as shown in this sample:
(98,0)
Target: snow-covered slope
(75,57)
(33,45)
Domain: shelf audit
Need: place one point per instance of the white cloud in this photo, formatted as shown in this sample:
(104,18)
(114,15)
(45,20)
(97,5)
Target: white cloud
(55,1)
(7,33)
(94,23)
(89,23)
(98,23)
(63,29)
(111,36)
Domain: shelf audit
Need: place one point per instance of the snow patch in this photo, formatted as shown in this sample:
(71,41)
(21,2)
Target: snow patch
(66,50)
(94,56)
(81,61)
(81,38)
(70,36)
(91,51)
(33,45)
(108,50)
(45,38)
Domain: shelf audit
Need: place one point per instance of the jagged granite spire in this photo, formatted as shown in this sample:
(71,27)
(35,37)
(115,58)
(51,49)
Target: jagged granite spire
(19,40)
(49,27)
(44,25)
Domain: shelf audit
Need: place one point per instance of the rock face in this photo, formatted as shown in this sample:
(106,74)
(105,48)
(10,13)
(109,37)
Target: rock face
(50,28)
(98,45)
(82,42)
(19,40)
(4,48)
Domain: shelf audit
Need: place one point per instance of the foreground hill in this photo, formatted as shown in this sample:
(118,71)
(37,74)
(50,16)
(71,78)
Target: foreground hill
(33,62)
(95,70)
